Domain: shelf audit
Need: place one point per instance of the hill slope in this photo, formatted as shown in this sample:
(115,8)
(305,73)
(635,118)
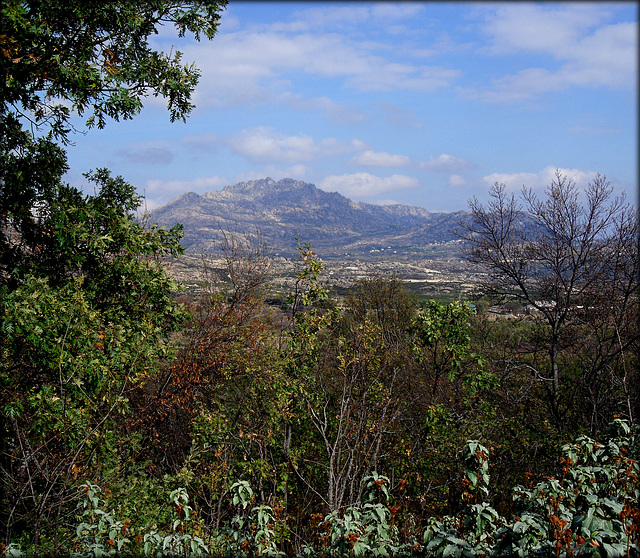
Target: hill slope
(332,223)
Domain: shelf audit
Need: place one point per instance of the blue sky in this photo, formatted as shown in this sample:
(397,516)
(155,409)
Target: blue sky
(418,103)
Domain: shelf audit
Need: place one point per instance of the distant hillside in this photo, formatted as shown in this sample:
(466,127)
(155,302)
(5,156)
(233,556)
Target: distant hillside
(332,223)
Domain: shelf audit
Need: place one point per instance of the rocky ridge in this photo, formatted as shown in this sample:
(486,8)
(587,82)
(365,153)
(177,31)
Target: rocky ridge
(282,210)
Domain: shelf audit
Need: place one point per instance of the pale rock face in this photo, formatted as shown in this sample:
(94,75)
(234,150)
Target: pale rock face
(281,210)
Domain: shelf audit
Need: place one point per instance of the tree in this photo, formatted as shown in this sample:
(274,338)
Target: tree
(96,56)
(63,58)
(387,303)
(88,318)
(221,351)
(443,339)
(349,366)
(86,305)
(559,257)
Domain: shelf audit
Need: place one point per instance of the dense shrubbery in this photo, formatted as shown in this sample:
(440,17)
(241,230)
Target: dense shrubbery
(338,432)
(590,510)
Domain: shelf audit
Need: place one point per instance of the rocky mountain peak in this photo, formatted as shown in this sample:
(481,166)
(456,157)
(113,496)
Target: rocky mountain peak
(269,184)
(250,185)
(286,208)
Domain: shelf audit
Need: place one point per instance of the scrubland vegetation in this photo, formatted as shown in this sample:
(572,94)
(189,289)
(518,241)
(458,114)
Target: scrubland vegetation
(136,420)
(364,426)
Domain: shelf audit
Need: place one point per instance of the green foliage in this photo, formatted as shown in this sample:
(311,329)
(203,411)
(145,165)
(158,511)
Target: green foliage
(386,303)
(444,343)
(86,304)
(100,534)
(96,56)
(307,287)
(58,59)
(12,550)
(304,404)
(592,510)
(476,475)
(85,320)
(252,531)
(181,541)
(365,529)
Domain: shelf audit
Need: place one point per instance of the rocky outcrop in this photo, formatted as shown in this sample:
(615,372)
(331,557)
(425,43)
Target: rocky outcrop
(281,210)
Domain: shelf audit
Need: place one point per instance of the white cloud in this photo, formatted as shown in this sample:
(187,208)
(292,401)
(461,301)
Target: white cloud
(549,28)
(584,50)
(259,67)
(518,87)
(298,172)
(608,58)
(158,192)
(539,180)
(379,159)
(393,11)
(365,185)
(341,17)
(445,163)
(359,144)
(149,204)
(393,76)
(229,22)
(335,112)
(262,145)
(335,16)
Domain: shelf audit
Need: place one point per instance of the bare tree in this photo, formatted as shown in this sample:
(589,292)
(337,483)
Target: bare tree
(352,402)
(247,261)
(560,256)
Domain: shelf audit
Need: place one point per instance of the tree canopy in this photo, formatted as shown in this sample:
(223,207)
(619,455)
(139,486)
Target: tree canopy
(86,58)
(58,58)
(308,424)
(86,304)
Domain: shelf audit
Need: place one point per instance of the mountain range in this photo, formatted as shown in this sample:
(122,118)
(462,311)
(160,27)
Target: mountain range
(333,224)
